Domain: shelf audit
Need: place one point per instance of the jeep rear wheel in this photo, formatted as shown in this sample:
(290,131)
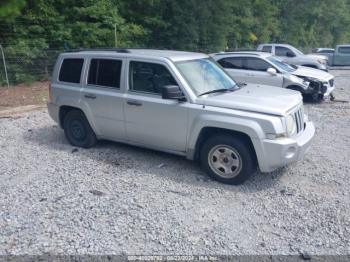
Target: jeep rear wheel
(228,159)
(78,130)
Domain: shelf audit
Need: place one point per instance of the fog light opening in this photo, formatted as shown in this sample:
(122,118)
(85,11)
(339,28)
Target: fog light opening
(290,153)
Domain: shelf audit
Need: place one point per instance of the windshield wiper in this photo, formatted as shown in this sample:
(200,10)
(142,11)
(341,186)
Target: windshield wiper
(219,90)
(240,85)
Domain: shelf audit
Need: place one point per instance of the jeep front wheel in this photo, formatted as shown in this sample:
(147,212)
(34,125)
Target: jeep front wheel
(228,159)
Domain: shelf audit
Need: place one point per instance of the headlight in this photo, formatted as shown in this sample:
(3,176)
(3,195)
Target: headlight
(291,125)
(321,61)
(296,79)
(306,83)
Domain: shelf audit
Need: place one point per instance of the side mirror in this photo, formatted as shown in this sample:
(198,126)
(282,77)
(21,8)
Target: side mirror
(290,54)
(272,71)
(173,92)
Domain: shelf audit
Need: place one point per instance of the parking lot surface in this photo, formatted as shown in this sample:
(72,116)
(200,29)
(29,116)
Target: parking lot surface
(115,198)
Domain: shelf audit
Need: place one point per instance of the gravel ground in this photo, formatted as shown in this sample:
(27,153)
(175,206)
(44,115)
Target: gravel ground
(115,199)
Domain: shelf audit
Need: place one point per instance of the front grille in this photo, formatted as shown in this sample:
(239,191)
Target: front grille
(299,119)
(331,82)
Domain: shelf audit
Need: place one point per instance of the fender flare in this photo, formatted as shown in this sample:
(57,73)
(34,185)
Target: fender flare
(82,107)
(247,127)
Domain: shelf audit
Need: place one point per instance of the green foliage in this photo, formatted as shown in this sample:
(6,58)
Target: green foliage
(10,8)
(34,35)
(311,23)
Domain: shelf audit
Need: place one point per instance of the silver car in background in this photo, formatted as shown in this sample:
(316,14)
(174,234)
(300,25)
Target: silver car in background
(293,56)
(266,69)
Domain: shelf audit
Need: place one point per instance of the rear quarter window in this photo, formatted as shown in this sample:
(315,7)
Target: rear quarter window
(71,69)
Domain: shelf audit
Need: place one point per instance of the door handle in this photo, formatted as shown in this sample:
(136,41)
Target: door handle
(90,96)
(134,103)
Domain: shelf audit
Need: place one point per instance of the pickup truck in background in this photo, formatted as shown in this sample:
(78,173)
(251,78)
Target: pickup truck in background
(293,56)
(340,56)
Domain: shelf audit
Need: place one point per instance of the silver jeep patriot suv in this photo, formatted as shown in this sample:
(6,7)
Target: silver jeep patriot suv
(178,102)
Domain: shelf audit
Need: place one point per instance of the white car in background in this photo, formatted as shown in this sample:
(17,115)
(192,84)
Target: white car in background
(266,69)
(293,56)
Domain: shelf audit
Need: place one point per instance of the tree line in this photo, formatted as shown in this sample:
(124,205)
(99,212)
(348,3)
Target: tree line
(27,27)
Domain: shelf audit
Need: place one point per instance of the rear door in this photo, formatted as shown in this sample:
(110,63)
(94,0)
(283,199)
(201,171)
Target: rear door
(103,96)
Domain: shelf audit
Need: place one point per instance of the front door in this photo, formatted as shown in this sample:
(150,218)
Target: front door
(151,120)
(256,69)
(234,67)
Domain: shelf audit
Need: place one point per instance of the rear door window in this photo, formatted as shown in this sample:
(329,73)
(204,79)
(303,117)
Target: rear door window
(231,62)
(282,51)
(267,49)
(105,72)
(70,71)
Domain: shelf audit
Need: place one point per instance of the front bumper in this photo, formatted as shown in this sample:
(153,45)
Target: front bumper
(53,110)
(281,152)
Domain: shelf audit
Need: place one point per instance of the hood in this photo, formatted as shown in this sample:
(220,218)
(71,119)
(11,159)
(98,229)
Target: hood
(317,56)
(312,73)
(255,98)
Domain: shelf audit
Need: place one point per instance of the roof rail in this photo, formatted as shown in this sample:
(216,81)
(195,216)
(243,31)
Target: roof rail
(118,50)
(256,53)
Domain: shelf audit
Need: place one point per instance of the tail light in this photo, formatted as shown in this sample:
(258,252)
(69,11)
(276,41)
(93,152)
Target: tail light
(50,93)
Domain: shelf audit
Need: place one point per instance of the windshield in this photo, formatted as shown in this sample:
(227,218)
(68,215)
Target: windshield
(204,75)
(280,65)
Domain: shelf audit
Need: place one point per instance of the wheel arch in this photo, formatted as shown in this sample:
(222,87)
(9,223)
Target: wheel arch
(296,88)
(63,111)
(207,132)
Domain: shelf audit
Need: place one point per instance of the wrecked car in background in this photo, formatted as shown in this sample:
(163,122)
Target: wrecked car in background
(266,69)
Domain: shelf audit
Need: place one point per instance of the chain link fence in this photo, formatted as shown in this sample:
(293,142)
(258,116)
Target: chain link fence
(22,67)
(26,67)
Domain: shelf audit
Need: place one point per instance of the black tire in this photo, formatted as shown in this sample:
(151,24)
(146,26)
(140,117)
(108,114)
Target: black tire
(78,130)
(240,147)
(314,98)
(320,97)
